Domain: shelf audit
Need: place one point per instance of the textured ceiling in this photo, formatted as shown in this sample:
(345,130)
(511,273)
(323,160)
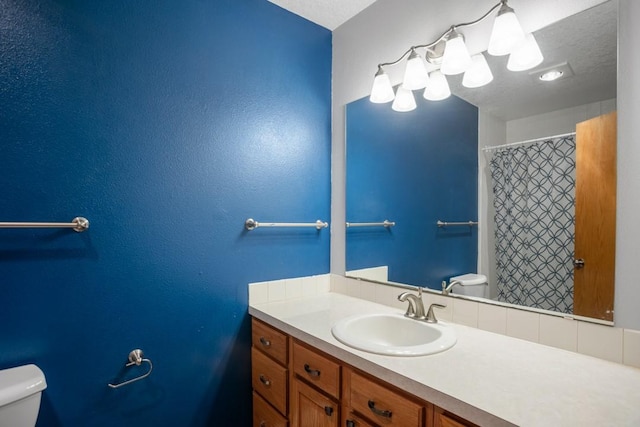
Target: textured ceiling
(587,41)
(328,13)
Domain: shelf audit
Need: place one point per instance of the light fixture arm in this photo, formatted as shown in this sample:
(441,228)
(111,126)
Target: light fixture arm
(445,34)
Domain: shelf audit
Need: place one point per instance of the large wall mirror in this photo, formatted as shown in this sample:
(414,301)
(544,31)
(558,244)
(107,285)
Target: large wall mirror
(444,161)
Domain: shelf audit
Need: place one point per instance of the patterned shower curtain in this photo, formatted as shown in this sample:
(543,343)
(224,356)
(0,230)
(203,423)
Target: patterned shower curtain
(534,201)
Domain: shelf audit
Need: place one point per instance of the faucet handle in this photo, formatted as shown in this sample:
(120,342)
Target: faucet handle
(431,316)
(411,309)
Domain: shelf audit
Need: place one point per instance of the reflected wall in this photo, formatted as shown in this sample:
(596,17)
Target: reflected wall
(436,147)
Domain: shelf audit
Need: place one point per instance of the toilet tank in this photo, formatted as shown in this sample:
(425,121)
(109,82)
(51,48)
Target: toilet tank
(471,284)
(20,392)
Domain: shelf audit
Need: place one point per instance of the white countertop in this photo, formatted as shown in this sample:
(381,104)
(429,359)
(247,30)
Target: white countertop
(489,379)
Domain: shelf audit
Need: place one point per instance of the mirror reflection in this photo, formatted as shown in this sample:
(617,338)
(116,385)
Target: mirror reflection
(434,164)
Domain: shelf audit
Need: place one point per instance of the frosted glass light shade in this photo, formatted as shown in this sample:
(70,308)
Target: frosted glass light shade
(382,91)
(438,88)
(456,58)
(415,74)
(479,74)
(404,100)
(526,55)
(506,32)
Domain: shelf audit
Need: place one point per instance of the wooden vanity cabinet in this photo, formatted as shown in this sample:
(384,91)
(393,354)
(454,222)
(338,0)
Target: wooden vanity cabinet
(269,375)
(297,385)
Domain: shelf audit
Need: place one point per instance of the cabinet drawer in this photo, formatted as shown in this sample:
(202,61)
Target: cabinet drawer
(444,419)
(269,340)
(269,379)
(350,419)
(316,369)
(381,405)
(264,415)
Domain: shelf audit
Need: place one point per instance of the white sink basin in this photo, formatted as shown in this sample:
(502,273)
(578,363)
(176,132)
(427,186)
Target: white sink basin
(393,335)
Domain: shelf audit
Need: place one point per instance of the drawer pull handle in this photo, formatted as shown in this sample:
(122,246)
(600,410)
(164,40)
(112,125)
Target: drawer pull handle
(265,381)
(328,410)
(380,412)
(351,423)
(312,372)
(265,342)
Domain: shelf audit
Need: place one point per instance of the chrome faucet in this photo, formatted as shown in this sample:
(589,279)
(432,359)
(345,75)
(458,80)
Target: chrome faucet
(415,310)
(416,306)
(447,288)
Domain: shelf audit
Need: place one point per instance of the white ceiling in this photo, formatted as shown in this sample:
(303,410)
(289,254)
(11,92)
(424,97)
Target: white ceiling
(327,13)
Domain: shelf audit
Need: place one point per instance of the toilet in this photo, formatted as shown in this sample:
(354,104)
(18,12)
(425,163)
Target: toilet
(471,284)
(20,392)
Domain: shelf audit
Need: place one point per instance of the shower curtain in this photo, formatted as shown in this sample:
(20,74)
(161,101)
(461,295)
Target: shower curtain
(534,201)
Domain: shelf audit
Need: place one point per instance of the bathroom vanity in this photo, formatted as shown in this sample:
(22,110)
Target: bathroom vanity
(303,376)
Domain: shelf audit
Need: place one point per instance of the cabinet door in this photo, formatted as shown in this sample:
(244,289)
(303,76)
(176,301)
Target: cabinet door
(264,415)
(310,408)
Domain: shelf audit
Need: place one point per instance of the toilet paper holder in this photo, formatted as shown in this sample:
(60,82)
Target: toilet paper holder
(136,357)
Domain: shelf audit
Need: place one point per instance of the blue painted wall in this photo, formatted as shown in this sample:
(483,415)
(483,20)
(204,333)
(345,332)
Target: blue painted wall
(413,168)
(166,124)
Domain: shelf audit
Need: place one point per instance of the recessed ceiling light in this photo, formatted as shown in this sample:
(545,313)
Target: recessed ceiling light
(551,75)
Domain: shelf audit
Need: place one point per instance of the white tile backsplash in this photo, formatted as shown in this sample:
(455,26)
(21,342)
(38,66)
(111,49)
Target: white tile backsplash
(523,324)
(293,288)
(605,342)
(324,283)
(310,286)
(465,312)
(258,292)
(492,318)
(277,290)
(600,341)
(559,332)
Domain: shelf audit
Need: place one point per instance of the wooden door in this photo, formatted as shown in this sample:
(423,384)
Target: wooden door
(595,217)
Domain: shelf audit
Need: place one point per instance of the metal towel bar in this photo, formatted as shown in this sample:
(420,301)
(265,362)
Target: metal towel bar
(79,224)
(386,223)
(449,224)
(252,224)
(135,358)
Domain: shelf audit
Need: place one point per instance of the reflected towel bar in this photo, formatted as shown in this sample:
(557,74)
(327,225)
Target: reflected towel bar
(449,224)
(386,223)
(79,224)
(252,224)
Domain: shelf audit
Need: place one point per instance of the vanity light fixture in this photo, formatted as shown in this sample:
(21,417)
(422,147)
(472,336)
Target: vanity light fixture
(456,58)
(404,100)
(415,75)
(448,55)
(525,55)
(478,74)
(506,32)
(382,90)
(438,87)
